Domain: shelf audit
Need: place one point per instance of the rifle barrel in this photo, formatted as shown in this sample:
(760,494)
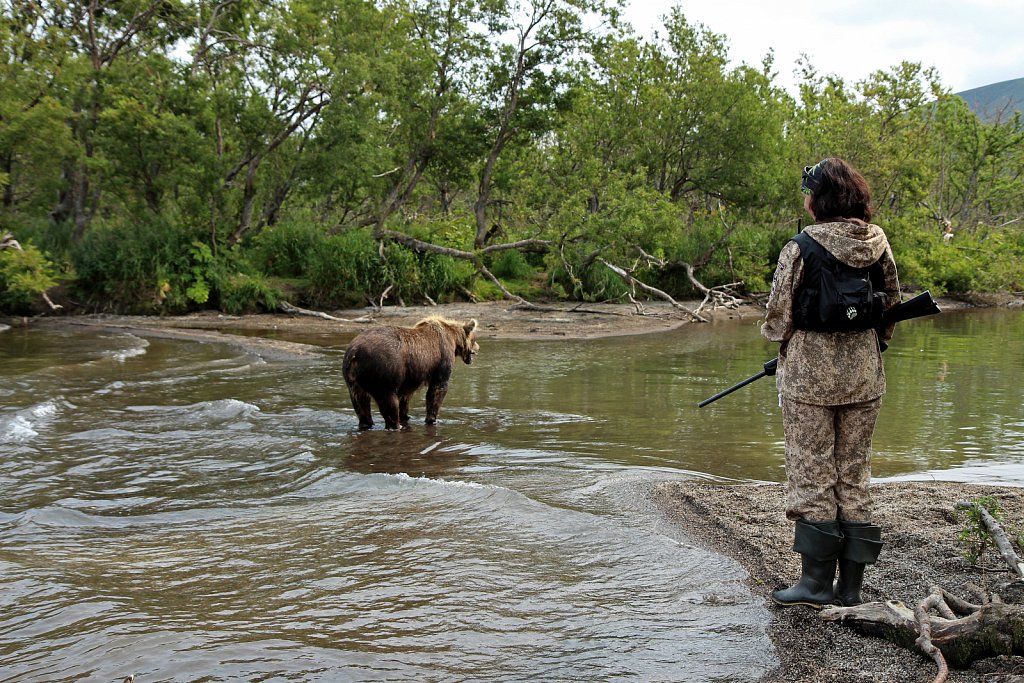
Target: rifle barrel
(731,389)
(920,305)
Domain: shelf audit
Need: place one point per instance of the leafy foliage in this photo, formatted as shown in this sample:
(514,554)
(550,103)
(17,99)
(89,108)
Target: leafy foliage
(173,155)
(974,537)
(24,274)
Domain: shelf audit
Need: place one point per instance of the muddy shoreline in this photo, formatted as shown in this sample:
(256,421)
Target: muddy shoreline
(744,522)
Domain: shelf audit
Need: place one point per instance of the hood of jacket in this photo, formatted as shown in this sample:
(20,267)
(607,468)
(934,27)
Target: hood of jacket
(855,243)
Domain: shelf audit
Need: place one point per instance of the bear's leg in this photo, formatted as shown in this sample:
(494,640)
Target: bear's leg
(403,410)
(435,397)
(388,404)
(361,404)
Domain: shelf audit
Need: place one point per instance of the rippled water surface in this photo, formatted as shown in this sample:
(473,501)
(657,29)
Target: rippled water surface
(186,512)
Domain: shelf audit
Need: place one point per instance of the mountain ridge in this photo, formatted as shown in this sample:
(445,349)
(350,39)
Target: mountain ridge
(996,101)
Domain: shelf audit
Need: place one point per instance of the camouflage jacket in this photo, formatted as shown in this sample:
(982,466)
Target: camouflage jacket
(829,368)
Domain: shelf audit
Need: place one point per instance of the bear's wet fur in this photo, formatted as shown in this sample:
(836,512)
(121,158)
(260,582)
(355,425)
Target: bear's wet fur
(388,364)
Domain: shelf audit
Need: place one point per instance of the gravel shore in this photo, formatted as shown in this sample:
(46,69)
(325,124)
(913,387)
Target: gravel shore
(920,526)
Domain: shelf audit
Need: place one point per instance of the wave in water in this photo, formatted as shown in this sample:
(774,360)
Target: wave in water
(136,346)
(26,424)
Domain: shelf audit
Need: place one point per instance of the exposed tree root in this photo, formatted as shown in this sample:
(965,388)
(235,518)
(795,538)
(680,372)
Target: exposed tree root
(949,630)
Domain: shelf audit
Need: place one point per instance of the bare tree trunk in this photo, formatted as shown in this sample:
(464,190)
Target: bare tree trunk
(248,200)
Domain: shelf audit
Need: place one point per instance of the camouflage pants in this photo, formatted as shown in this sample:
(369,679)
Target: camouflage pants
(828,460)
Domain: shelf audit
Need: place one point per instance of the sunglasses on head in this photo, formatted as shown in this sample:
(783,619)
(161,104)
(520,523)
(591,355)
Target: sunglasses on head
(811,178)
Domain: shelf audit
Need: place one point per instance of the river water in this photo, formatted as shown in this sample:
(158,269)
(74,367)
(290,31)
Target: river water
(187,512)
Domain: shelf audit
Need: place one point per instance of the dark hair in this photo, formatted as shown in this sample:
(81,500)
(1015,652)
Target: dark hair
(840,192)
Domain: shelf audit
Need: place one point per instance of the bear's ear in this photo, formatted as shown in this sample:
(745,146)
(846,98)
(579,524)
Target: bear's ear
(470,326)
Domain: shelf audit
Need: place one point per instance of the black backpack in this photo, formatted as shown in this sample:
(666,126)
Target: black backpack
(833,296)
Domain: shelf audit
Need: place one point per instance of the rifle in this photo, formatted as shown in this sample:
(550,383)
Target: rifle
(921,305)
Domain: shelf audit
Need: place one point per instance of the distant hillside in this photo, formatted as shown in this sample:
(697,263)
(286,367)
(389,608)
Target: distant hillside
(998,100)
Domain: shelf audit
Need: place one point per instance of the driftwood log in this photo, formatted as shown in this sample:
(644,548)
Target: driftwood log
(959,634)
(295,310)
(949,630)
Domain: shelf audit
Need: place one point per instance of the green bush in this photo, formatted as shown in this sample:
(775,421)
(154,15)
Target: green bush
(154,267)
(443,278)
(145,266)
(347,270)
(286,249)
(243,293)
(599,283)
(344,269)
(974,537)
(510,264)
(53,239)
(24,275)
(750,257)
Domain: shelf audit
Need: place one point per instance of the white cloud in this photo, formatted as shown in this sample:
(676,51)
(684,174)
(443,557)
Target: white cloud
(971,43)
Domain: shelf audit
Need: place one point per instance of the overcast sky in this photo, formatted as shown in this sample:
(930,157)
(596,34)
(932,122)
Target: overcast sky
(971,42)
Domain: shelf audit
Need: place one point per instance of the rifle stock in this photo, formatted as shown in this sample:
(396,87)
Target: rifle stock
(921,305)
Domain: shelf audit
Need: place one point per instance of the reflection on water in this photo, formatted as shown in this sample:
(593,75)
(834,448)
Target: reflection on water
(417,453)
(186,512)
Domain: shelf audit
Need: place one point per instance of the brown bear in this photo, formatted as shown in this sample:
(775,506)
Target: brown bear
(390,363)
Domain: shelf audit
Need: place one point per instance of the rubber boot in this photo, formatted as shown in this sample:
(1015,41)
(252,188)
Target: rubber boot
(819,544)
(861,545)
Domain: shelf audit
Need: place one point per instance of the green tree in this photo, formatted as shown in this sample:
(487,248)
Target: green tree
(33,135)
(94,38)
(520,83)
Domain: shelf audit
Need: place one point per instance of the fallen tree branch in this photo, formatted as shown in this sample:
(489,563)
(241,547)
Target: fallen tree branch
(998,536)
(295,310)
(521,245)
(579,309)
(627,276)
(421,246)
(384,295)
(719,296)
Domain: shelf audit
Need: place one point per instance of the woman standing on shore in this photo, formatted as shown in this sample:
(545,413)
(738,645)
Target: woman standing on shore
(831,285)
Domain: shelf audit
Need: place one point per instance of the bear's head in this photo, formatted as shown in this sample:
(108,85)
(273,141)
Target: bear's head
(469,347)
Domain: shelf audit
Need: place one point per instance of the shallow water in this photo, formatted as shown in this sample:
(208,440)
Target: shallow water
(186,512)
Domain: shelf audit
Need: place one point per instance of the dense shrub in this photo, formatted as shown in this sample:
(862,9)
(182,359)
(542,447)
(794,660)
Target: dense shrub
(150,267)
(140,267)
(24,274)
(286,249)
(343,269)
(510,264)
(242,293)
(352,269)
